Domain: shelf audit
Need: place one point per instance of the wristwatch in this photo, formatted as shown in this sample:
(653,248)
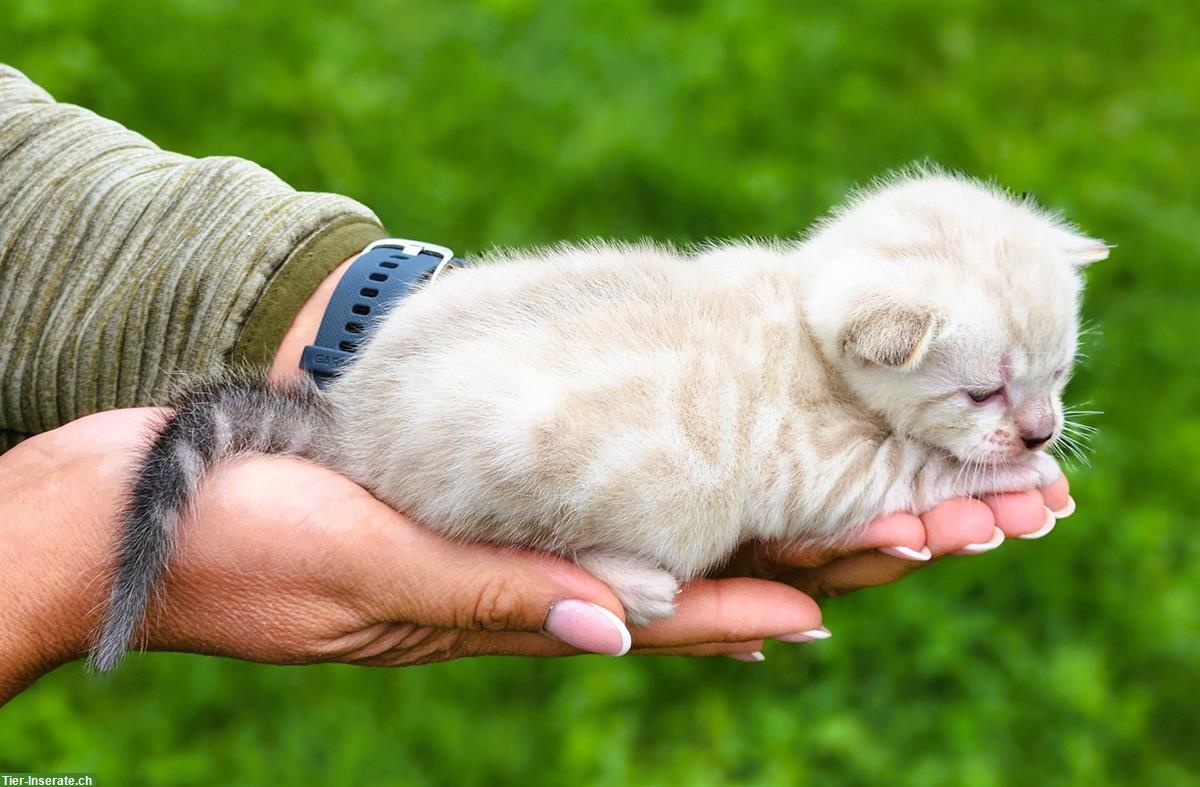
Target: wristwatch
(383,275)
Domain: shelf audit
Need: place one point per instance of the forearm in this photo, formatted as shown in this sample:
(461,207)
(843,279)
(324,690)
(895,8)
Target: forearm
(122,265)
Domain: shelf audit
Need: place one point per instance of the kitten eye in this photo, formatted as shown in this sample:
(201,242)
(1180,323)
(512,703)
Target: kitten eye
(979,397)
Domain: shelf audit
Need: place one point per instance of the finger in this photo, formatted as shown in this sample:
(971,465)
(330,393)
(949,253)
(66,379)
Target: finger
(412,574)
(479,643)
(948,527)
(430,646)
(707,649)
(961,526)
(957,525)
(854,572)
(732,610)
(1021,514)
(756,656)
(435,645)
(1058,498)
(502,643)
(901,535)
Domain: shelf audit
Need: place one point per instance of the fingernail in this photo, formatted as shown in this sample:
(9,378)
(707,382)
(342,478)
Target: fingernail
(905,553)
(1046,527)
(987,546)
(1066,510)
(755,656)
(805,636)
(589,627)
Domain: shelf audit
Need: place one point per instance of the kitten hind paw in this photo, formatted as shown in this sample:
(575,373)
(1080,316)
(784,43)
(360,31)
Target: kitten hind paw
(646,591)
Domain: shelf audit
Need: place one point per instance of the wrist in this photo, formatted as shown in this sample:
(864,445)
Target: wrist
(394,267)
(303,329)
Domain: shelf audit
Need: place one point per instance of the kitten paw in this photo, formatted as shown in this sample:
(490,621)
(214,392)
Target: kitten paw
(646,591)
(1039,470)
(1047,469)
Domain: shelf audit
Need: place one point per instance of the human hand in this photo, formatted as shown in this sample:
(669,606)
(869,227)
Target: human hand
(287,562)
(283,561)
(895,545)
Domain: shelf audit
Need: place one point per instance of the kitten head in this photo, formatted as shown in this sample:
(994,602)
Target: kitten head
(951,310)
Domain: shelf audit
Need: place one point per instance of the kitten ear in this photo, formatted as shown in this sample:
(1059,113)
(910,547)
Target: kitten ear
(891,334)
(1080,249)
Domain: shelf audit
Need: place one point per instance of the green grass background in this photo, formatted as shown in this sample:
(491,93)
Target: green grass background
(1074,660)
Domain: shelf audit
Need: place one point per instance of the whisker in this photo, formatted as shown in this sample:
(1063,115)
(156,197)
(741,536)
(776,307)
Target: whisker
(964,468)
(1075,449)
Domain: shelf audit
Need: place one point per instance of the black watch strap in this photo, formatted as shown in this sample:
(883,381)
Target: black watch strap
(383,274)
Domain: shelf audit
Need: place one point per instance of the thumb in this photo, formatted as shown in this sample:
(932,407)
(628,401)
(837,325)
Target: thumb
(422,577)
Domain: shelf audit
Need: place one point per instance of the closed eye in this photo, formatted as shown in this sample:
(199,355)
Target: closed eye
(979,396)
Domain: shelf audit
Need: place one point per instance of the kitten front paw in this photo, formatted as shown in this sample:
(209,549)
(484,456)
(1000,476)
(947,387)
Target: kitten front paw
(646,591)
(1037,471)
(1047,469)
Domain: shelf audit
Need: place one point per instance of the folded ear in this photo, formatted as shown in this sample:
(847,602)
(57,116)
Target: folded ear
(1080,249)
(891,334)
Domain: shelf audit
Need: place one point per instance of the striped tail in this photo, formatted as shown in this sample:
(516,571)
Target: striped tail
(213,420)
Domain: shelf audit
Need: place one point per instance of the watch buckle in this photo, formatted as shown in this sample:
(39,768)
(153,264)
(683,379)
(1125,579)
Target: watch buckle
(412,248)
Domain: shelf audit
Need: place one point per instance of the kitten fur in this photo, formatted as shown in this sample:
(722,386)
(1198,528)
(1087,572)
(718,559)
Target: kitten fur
(644,411)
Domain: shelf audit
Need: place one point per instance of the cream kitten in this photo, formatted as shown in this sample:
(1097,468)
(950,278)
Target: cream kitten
(644,411)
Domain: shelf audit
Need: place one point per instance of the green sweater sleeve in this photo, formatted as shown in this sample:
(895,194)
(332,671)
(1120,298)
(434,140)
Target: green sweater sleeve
(123,265)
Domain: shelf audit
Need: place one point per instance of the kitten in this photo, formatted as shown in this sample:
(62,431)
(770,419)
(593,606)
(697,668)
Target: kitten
(644,412)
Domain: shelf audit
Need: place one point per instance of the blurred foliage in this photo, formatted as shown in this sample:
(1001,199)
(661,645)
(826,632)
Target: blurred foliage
(1075,660)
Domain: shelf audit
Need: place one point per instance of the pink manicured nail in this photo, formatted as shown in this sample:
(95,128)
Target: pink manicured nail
(588,627)
(805,636)
(986,546)
(1066,510)
(907,553)
(755,656)
(1046,527)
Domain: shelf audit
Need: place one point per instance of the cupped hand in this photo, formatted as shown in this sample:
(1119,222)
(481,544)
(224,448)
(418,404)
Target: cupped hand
(895,545)
(751,587)
(283,561)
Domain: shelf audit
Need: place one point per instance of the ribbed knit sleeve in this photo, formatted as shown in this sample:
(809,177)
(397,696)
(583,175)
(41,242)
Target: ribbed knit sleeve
(122,265)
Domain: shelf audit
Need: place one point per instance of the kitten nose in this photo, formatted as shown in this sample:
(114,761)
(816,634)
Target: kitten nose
(1033,442)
